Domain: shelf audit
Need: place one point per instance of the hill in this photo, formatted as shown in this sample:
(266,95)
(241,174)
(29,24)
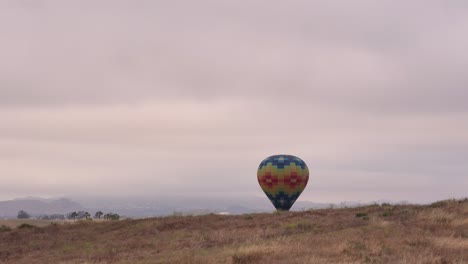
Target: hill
(436,233)
(140,207)
(36,206)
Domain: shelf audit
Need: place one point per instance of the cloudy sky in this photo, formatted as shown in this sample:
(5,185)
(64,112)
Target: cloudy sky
(148,98)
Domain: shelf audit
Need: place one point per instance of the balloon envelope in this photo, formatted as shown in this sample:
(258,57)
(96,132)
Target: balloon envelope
(283,178)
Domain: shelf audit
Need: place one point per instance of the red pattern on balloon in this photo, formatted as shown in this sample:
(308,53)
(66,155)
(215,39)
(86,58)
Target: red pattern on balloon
(269,180)
(293,180)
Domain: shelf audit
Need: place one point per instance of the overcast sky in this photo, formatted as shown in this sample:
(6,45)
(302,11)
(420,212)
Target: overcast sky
(150,98)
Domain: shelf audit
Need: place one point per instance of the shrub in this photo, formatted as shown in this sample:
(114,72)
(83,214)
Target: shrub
(361,214)
(4,228)
(24,225)
(248,217)
(439,204)
(240,258)
(302,226)
(387,213)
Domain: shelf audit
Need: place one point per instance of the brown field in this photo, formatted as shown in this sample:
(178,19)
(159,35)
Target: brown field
(13,223)
(436,233)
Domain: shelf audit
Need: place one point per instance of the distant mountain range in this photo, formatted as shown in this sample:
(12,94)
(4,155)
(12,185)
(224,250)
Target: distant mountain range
(38,206)
(148,207)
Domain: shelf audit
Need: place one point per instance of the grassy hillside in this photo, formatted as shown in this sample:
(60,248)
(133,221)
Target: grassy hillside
(436,233)
(13,223)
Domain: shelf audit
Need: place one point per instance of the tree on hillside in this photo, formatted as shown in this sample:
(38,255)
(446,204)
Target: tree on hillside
(81,214)
(87,215)
(23,215)
(98,214)
(111,216)
(72,215)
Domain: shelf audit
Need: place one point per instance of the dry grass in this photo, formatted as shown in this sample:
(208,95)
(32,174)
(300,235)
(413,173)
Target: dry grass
(13,223)
(437,234)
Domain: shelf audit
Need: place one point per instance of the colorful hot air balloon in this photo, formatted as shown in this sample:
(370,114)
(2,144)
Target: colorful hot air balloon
(283,178)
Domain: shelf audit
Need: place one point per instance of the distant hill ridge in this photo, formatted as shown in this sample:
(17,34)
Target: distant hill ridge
(36,206)
(156,206)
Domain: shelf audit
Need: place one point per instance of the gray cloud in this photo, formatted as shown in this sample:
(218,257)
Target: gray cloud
(189,97)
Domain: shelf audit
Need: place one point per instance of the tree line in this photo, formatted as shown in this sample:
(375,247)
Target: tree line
(80,215)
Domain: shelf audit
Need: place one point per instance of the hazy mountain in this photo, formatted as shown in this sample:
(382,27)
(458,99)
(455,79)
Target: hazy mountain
(160,206)
(153,206)
(38,206)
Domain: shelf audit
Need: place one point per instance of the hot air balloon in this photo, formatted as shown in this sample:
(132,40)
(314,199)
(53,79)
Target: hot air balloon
(283,178)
